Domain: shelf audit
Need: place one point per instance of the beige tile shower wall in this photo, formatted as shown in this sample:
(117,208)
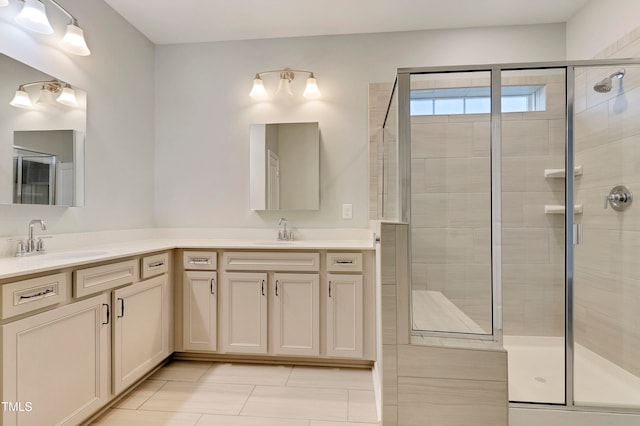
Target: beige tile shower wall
(379,96)
(607,277)
(451,207)
(532,241)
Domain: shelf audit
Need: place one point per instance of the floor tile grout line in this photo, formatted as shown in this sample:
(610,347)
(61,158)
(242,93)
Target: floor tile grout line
(286,383)
(244,404)
(152,395)
(209,368)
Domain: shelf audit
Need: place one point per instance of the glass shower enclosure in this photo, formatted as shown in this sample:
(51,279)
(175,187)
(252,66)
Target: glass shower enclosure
(506,245)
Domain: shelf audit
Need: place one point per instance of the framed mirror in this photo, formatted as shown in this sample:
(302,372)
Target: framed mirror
(42,137)
(285,166)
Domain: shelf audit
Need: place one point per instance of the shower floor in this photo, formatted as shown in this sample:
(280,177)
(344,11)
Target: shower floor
(536,374)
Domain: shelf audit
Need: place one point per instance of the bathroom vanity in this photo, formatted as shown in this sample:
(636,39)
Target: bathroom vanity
(80,328)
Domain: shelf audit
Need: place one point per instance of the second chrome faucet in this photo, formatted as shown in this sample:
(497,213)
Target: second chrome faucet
(284,234)
(31,246)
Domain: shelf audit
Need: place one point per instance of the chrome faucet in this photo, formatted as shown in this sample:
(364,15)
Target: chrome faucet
(283,234)
(30,246)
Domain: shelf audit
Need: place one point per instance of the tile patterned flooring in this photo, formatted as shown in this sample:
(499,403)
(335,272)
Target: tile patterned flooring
(192,393)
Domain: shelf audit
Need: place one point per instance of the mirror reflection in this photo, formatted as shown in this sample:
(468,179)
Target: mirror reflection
(42,137)
(285,166)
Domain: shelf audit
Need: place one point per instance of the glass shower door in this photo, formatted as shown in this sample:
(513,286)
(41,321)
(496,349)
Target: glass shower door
(533,232)
(606,280)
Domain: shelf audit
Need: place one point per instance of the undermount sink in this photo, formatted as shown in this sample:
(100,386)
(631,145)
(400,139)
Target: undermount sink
(80,254)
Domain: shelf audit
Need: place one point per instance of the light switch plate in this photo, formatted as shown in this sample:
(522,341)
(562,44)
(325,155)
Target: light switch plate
(347,211)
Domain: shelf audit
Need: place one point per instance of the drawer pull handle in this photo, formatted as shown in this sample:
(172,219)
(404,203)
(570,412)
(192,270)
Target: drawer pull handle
(200,261)
(108,313)
(121,307)
(38,294)
(329,288)
(211,285)
(344,262)
(262,287)
(156,264)
(277,287)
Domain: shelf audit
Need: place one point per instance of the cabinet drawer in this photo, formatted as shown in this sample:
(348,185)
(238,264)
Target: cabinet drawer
(100,278)
(344,262)
(205,260)
(28,295)
(155,265)
(271,261)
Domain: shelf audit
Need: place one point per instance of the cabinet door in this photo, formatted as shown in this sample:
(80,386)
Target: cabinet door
(344,316)
(56,365)
(296,318)
(244,304)
(200,310)
(141,330)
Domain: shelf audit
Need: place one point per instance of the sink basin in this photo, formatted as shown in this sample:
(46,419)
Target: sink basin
(80,254)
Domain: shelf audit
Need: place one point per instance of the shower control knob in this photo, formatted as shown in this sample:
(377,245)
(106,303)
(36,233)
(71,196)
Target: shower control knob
(619,198)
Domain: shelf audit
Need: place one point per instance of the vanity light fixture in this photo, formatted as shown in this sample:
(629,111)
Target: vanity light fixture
(258,91)
(65,94)
(33,16)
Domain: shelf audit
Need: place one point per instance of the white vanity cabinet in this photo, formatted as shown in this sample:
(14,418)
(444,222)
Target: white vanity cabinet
(244,310)
(140,329)
(344,319)
(296,314)
(345,301)
(56,364)
(199,301)
(275,311)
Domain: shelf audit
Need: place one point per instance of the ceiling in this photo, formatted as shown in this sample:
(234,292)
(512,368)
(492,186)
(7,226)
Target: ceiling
(189,21)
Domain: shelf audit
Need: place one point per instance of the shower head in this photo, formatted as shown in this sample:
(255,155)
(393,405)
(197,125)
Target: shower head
(605,85)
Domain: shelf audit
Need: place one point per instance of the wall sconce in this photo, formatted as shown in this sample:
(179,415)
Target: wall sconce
(65,94)
(33,16)
(258,91)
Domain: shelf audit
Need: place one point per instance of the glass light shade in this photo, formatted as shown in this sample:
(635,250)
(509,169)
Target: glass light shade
(258,91)
(45,98)
(68,97)
(4,3)
(311,91)
(284,86)
(73,41)
(21,99)
(33,16)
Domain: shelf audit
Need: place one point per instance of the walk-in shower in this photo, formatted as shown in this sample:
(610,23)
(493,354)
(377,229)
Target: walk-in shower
(504,173)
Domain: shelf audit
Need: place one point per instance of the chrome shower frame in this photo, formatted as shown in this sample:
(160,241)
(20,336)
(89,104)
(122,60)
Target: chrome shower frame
(402,90)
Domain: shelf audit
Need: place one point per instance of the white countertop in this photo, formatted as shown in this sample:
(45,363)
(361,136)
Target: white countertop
(56,259)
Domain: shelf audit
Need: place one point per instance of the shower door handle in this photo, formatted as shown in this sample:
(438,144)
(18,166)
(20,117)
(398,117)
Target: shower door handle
(577,234)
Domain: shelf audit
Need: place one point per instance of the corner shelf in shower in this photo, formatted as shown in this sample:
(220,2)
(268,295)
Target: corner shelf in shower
(559,209)
(560,173)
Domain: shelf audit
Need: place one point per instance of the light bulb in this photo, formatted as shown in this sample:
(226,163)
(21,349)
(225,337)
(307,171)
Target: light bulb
(68,97)
(74,42)
(258,91)
(33,16)
(311,91)
(21,99)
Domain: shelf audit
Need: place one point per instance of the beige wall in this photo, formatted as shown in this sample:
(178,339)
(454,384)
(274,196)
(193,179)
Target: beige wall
(607,279)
